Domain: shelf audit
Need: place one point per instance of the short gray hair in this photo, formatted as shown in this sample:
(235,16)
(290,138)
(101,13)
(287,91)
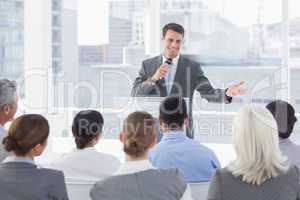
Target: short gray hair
(8,90)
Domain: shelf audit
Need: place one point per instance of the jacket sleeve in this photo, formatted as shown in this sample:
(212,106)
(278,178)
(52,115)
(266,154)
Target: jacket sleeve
(58,189)
(143,84)
(203,86)
(214,190)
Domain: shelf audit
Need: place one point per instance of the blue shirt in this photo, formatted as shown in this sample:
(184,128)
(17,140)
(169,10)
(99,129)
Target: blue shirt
(176,150)
(171,72)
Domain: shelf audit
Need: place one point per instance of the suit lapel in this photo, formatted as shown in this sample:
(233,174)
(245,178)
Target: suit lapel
(179,78)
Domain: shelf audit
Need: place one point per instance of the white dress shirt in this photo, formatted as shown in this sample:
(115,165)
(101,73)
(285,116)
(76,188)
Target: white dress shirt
(130,167)
(86,164)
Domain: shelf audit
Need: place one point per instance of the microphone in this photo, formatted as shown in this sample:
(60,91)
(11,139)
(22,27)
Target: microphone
(169,62)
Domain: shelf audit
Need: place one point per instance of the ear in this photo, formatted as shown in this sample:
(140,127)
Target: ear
(37,149)
(186,121)
(6,109)
(121,136)
(97,138)
(154,140)
(161,124)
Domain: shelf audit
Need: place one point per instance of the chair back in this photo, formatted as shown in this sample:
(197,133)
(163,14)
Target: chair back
(79,190)
(199,190)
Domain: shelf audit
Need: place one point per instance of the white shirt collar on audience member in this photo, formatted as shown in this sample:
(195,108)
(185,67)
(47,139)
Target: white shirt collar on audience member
(86,149)
(2,129)
(130,167)
(18,159)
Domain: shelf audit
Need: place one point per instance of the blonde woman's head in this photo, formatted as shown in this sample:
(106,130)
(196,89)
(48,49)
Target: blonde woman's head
(255,140)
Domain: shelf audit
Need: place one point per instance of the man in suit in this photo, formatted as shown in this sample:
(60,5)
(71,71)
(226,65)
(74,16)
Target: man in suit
(8,108)
(172,73)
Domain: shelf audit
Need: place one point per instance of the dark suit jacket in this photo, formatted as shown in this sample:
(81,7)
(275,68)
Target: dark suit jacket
(188,78)
(24,181)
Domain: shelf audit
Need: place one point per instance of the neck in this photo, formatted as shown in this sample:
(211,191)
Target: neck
(3,121)
(89,145)
(132,158)
(168,130)
(167,56)
(28,155)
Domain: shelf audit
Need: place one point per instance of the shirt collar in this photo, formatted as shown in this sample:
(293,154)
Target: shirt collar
(2,129)
(173,135)
(174,60)
(286,141)
(130,167)
(86,149)
(18,159)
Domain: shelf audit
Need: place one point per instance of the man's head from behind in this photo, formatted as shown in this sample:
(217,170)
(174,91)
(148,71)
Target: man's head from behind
(173,113)
(284,115)
(8,100)
(172,36)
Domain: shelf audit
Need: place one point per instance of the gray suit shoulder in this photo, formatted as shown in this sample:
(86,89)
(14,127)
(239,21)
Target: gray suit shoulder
(149,61)
(189,61)
(53,173)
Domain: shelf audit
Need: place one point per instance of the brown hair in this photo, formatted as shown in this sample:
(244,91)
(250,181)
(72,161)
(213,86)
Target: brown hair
(139,133)
(25,133)
(174,27)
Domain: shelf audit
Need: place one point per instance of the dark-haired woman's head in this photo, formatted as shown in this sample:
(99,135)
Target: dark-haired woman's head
(27,135)
(285,117)
(173,113)
(87,128)
(139,134)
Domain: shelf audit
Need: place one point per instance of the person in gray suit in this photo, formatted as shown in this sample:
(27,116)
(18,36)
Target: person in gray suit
(172,73)
(137,179)
(20,178)
(260,171)
(8,108)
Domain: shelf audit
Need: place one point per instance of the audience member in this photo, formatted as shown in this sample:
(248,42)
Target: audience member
(284,114)
(85,162)
(137,179)
(176,150)
(20,178)
(8,108)
(259,171)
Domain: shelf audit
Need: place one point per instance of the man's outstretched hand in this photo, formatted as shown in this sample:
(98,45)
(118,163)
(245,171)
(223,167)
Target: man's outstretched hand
(236,89)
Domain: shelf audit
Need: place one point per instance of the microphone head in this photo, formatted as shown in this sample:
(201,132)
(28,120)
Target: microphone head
(169,61)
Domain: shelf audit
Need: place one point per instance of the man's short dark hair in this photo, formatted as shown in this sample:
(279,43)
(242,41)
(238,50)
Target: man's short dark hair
(284,114)
(173,111)
(174,27)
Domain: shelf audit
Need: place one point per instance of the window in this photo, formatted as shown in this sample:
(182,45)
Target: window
(233,40)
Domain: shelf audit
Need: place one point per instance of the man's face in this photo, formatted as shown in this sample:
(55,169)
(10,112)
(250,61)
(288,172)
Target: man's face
(172,43)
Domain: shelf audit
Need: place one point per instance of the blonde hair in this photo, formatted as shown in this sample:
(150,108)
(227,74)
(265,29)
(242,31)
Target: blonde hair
(256,143)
